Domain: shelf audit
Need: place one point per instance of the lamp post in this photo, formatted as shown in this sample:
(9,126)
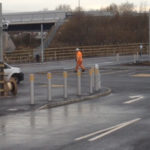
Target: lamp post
(1,55)
(149,34)
(79,4)
(1,36)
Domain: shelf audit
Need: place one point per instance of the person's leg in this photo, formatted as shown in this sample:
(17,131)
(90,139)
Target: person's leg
(82,66)
(77,67)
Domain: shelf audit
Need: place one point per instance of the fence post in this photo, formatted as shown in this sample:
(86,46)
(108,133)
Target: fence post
(65,84)
(49,78)
(137,56)
(32,89)
(91,80)
(1,79)
(117,57)
(97,78)
(79,82)
(55,55)
(134,58)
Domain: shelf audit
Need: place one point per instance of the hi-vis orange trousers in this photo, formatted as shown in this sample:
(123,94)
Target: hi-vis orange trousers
(79,64)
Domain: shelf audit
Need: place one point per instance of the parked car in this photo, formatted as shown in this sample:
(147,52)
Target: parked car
(14,72)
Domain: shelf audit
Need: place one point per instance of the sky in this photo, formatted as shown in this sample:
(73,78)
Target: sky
(39,5)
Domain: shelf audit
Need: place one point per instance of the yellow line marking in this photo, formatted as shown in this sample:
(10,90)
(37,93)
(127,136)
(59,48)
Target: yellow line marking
(141,75)
(114,72)
(53,85)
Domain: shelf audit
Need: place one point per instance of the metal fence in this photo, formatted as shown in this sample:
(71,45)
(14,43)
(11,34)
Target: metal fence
(26,56)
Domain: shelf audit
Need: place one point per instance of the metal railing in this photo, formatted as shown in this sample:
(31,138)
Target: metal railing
(26,56)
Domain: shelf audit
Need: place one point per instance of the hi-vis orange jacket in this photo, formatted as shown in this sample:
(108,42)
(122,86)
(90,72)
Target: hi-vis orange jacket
(79,56)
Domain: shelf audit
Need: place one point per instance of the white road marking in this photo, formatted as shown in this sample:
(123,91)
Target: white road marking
(106,131)
(97,132)
(12,109)
(106,62)
(115,129)
(113,72)
(134,99)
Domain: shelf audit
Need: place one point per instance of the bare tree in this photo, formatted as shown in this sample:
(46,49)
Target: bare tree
(112,8)
(126,8)
(63,8)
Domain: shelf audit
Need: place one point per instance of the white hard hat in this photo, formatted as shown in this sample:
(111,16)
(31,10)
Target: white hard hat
(77,49)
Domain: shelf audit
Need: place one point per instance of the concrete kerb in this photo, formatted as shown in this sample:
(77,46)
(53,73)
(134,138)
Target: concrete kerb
(78,99)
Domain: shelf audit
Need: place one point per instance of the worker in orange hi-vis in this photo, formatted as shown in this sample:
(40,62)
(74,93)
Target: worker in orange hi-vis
(79,60)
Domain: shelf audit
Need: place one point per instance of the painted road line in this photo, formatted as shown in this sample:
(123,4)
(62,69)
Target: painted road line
(134,99)
(108,62)
(141,75)
(53,85)
(98,132)
(115,129)
(113,72)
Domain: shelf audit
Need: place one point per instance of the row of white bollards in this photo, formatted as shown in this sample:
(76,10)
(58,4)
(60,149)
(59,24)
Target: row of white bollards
(95,83)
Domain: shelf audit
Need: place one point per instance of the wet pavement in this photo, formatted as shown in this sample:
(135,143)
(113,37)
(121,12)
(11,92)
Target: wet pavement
(21,102)
(57,128)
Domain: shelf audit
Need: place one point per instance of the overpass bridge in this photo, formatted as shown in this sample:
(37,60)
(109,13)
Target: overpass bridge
(36,21)
(31,21)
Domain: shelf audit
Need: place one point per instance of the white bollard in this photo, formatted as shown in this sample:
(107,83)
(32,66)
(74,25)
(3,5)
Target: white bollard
(49,78)
(91,80)
(79,82)
(93,77)
(97,78)
(65,84)
(32,89)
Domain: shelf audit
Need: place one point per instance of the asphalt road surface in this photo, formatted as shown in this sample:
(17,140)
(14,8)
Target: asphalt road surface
(119,121)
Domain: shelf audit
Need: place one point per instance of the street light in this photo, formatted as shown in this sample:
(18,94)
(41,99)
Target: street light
(149,33)
(79,4)
(3,26)
(1,36)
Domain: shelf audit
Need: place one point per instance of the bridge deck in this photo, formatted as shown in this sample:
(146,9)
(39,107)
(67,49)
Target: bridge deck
(35,17)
